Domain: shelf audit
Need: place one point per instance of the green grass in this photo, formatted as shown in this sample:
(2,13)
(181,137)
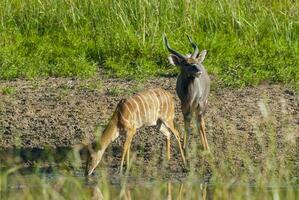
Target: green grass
(247,43)
(67,187)
(7,90)
(269,172)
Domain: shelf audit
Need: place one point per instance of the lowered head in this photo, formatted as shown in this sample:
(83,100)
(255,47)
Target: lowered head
(93,159)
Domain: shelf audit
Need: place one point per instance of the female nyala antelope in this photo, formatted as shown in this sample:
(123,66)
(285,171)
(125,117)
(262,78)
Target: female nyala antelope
(193,88)
(148,108)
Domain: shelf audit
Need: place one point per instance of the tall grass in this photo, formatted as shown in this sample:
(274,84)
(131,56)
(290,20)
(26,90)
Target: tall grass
(231,171)
(247,42)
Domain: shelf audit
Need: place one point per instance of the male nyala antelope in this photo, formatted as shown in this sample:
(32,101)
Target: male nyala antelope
(148,108)
(193,87)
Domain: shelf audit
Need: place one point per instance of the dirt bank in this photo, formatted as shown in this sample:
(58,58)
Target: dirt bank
(60,112)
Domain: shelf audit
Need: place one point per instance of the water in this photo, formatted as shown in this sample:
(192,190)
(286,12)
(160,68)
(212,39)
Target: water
(101,186)
(56,179)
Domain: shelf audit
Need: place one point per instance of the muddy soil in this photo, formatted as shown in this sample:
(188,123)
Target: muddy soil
(58,113)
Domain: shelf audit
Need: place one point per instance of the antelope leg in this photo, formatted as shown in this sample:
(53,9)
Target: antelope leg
(170,126)
(126,148)
(166,132)
(187,124)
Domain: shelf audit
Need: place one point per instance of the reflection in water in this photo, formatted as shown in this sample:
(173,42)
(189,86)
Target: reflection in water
(97,193)
(169,191)
(125,194)
(52,187)
(182,193)
(174,191)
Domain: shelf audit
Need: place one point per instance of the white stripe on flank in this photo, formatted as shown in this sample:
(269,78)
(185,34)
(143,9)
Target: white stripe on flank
(137,111)
(157,105)
(147,108)
(153,110)
(134,117)
(121,115)
(144,109)
(166,102)
(127,107)
(170,104)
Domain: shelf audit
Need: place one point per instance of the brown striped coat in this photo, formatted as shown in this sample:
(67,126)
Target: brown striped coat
(153,107)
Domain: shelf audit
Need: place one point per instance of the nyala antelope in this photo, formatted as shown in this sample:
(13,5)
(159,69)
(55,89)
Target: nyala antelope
(193,88)
(148,108)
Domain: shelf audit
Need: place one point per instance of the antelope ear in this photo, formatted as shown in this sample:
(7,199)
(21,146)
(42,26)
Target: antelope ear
(200,58)
(174,60)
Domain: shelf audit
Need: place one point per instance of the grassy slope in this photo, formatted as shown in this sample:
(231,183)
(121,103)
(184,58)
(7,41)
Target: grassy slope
(247,43)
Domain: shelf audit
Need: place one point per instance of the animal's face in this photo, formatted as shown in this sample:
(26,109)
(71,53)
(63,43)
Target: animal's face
(189,65)
(93,160)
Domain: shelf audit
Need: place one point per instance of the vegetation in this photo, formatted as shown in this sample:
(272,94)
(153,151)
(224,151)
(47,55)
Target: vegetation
(270,172)
(66,187)
(7,90)
(247,43)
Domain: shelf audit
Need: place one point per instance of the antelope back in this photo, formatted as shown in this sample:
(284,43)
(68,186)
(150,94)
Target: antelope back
(145,108)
